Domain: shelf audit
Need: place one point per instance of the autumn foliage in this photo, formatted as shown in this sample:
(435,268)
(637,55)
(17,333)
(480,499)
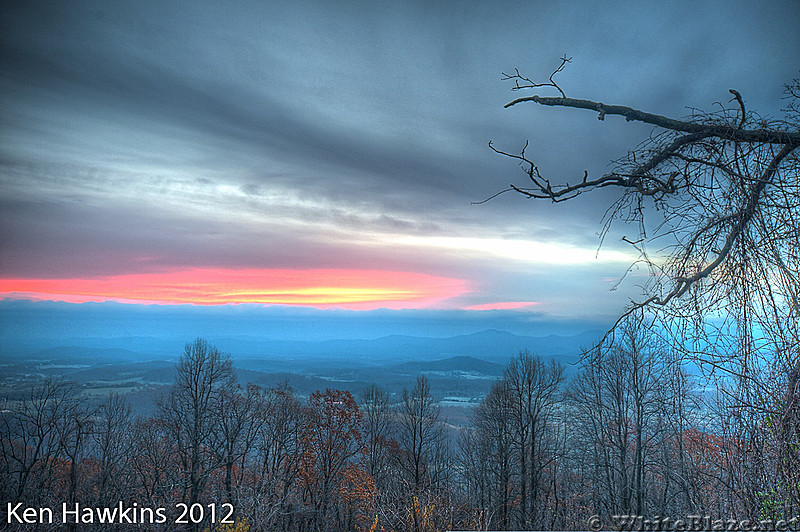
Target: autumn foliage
(624,435)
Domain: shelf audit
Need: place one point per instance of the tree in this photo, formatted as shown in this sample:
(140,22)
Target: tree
(279,422)
(192,408)
(74,430)
(113,444)
(722,182)
(495,427)
(475,475)
(234,430)
(420,436)
(155,464)
(513,448)
(617,402)
(331,439)
(716,198)
(31,439)
(534,390)
(423,458)
(377,427)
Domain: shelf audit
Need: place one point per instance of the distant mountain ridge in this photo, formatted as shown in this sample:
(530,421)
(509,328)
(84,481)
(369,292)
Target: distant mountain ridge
(490,345)
(462,366)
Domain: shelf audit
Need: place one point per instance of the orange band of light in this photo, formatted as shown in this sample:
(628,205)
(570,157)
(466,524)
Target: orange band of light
(205,286)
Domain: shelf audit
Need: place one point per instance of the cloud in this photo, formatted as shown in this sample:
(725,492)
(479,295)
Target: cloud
(530,251)
(144,137)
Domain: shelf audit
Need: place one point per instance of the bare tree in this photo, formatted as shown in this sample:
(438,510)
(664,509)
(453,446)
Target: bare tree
(534,388)
(113,443)
(31,440)
(476,478)
(191,412)
(74,431)
(155,464)
(234,431)
(716,201)
(495,427)
(377,419)
(720,181)
(618,405)
(678,435)
(420,435)
(279,420)
(517,435)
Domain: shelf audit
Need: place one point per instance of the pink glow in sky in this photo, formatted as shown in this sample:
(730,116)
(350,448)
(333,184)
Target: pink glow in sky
(357,289)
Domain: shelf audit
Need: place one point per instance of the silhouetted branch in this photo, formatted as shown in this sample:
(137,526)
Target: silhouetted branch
(528,83)
(727,132)
(680,171)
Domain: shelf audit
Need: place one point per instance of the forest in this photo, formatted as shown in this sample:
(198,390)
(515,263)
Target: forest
(631,434)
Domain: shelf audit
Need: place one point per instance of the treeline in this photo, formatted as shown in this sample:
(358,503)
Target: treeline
(629,434)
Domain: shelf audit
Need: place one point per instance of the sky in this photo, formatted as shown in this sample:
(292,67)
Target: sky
(329,154)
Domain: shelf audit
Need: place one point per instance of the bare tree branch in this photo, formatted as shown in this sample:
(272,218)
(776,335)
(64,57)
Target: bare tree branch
(681,171)
(728,132)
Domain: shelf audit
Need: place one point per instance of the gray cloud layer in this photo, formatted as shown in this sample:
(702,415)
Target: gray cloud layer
(150,134)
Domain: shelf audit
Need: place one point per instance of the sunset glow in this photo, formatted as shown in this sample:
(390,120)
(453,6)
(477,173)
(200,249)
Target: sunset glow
(361,289)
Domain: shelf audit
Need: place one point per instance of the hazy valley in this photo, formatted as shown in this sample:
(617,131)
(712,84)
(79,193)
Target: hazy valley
(460,368)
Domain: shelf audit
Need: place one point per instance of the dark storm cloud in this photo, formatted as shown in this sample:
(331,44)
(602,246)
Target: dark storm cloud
(127,81)
(127,62)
